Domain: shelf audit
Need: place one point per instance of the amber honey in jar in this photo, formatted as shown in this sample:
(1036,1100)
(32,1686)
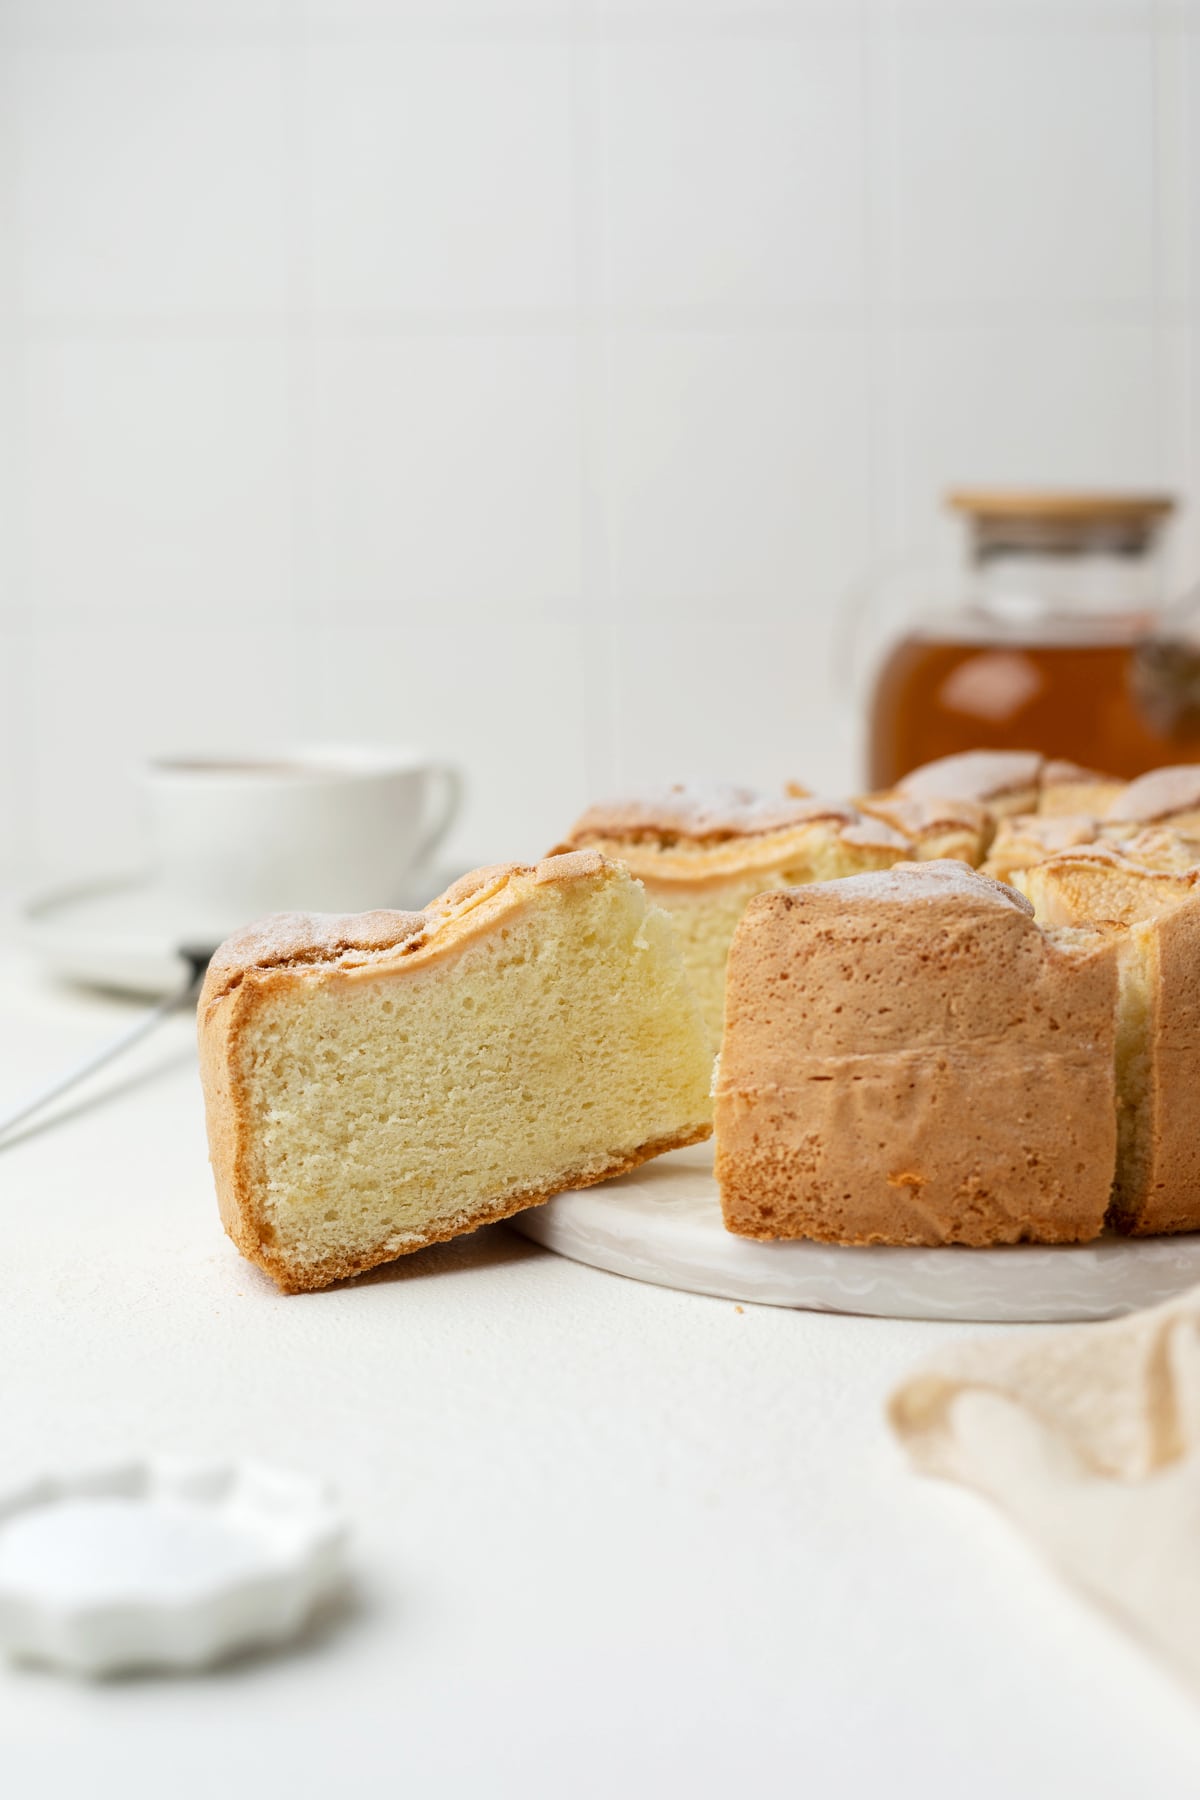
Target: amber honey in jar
(1060,644)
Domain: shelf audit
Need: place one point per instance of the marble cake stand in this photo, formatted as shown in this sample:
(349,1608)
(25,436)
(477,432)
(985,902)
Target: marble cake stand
(662,1224)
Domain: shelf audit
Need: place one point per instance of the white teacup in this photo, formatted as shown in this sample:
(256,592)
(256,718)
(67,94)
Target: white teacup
(322,830)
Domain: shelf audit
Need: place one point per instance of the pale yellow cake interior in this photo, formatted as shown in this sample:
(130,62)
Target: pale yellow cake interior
(1134,1025)
(706,916)
(389,1107)
(1138,966)
(705,920)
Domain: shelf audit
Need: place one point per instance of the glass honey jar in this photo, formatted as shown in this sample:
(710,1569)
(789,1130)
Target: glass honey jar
(1059,642)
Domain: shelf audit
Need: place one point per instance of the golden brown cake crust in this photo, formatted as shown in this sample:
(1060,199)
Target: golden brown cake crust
(935,827)
(1161,795)
(1155,846)
(699,838)
(1066,789)
(1028,838)
(1012,781)
(915,814)
(1101,882)
(1056,773)
(294,948)
(1167,1199)
(1158,1188)
(321,941)
(909,1059)
(292,940)
(703,814)
(991,777)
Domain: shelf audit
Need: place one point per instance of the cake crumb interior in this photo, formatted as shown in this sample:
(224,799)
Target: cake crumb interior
(391,1108)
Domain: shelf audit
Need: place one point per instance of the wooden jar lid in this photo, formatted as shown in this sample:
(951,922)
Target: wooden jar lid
(1008,506)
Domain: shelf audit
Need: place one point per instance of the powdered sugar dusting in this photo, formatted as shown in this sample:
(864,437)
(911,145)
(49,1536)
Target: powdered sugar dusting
(1058,773)
(1159,794)
(707,810)
(1046,832)
(913,882)
(974,775)
(295,938)
(875,834)
(918,815)
(1120,860)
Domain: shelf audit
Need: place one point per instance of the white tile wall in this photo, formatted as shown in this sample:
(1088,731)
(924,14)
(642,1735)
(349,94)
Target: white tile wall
(737,471)
(16,733)
(70,22)
(531,378)
(102,696)
(13,601)
(728,703)
(1051,404)
(1024,167)
(157,482)
(440,175)
(150,182)
(500,695)
(1185,51)
(1179,375)
(718,157)
(444,475)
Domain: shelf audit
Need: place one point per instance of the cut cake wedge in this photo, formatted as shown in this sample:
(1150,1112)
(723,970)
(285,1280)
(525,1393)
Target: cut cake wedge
(378,1082)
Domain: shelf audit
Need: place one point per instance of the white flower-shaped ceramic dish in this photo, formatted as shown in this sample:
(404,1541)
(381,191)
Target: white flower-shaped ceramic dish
(160,1564)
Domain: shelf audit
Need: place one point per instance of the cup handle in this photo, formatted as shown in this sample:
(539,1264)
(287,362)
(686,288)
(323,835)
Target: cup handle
(452,793)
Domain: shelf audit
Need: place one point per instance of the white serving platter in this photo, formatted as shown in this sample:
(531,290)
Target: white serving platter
(662,1224)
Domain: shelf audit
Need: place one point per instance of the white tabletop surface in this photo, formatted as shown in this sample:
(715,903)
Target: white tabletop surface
(609,1540)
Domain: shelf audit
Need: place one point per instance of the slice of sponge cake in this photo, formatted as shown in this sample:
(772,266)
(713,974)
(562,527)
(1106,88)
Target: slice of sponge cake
(910,1059)
(704,853)
(1168,796)
(959,830)
(1023,839)
(1158,1043)
(1012,781)
(383,1081)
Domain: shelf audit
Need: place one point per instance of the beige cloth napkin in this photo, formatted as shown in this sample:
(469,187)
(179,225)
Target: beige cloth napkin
(1090,1439)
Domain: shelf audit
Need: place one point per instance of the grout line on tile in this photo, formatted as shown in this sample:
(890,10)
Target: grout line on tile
(1157,243)
(883,175)
(303,577)
(589,205)
(1173,188)
(16,609)
(650,24)
(320,323)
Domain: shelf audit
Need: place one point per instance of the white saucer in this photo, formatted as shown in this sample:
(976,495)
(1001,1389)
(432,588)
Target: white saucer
(662,1224)
(125,932)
